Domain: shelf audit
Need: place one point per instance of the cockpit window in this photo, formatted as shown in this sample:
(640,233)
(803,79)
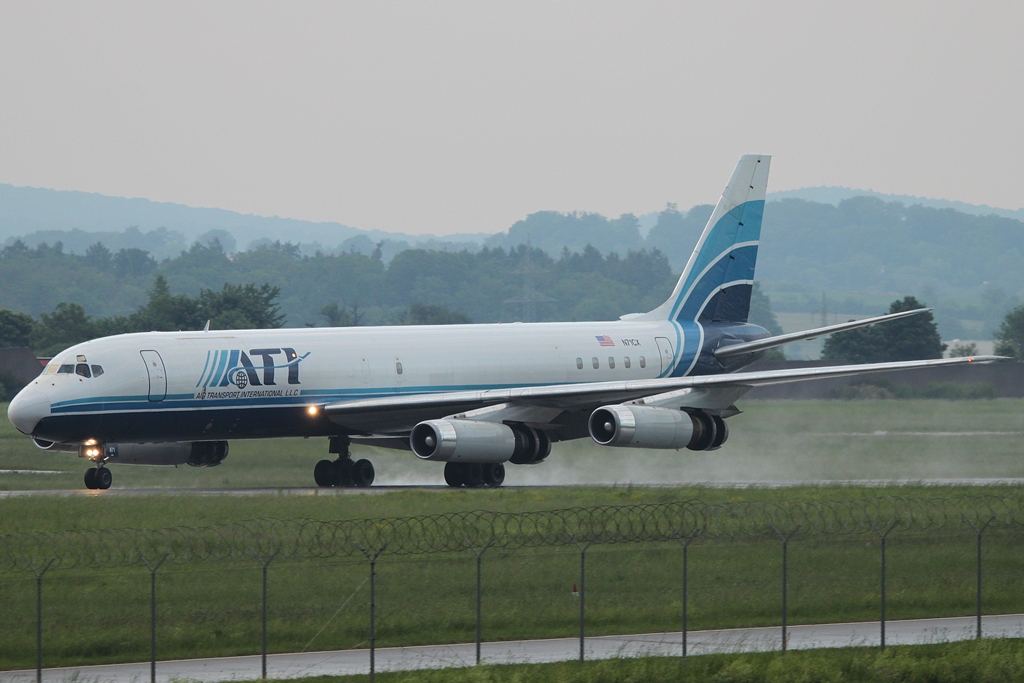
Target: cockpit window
(97,370)
(66,369)
(83,370)
(51,369)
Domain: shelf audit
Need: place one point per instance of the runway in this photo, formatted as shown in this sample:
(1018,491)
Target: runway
(316,491)
(346,662)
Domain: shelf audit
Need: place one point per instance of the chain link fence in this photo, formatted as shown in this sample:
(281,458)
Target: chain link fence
(262,542)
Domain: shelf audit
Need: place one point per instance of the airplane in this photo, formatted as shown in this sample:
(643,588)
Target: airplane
(473,397)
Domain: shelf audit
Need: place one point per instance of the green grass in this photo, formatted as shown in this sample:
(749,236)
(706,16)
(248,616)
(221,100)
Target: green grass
(990,661)
(93,616)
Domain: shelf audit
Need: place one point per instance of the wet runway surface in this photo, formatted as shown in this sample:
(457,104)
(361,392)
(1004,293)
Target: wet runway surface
(346,662)
(316,491)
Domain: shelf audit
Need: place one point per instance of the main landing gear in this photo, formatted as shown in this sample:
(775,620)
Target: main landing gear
(98,478)
(474,474)
(343,472)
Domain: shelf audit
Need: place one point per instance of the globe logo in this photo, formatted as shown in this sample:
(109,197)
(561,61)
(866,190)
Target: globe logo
(241,379)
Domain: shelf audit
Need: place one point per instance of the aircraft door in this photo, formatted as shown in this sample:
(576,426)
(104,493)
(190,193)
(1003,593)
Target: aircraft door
(157,375)
(665,351)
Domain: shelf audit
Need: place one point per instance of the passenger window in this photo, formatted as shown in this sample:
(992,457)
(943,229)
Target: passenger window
(611,362)
(83,370)
(97,370)
(66,370)
(643,362)
(398,367)
(579,363)
(596,362)
(625,361)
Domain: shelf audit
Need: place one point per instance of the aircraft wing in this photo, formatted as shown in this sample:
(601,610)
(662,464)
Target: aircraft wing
(395,414)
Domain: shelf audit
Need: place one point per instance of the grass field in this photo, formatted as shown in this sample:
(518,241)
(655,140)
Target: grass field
(985,662)
(93,616)
(771,440)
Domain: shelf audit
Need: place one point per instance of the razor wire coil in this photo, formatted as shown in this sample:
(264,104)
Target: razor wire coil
(308,539)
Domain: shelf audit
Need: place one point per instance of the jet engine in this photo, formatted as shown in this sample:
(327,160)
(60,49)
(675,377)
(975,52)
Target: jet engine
(646,427)
(463,441)
(194,453)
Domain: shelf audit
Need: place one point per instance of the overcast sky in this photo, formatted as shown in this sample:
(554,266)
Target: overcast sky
(464,117)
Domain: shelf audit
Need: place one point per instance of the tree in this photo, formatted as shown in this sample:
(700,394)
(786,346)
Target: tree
(1010,335)
(15,328)
(133,263)
(66,326)
(341,316)
(424,314)
(912,338)
(239,307)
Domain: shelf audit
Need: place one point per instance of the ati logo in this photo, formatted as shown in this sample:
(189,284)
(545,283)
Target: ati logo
(234,366)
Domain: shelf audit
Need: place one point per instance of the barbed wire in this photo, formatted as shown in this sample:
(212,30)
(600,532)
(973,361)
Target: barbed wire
(310,539)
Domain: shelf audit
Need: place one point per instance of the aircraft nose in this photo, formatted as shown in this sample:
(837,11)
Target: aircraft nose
(26,410)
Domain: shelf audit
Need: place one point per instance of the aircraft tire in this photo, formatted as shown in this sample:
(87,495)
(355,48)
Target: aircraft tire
(323,473)
(453,474)
(473,475)
(362,473)
(343,472)
(90,478)
(494,474)
(103,478)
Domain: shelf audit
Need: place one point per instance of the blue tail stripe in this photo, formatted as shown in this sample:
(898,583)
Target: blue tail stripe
(741,224)
(739,268)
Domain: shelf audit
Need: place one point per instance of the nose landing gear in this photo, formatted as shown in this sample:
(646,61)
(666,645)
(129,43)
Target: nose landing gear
(98,478)
(343,471)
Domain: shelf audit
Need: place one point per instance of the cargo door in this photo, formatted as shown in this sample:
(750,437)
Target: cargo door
(665,351)
(157,375)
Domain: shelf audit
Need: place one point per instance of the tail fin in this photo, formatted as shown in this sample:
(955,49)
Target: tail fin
(718,278)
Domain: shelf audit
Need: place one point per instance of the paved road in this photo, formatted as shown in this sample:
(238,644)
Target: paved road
(315,491)
(908,632)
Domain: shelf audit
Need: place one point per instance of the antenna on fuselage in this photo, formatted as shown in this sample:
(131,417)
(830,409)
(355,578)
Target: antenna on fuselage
(206,327)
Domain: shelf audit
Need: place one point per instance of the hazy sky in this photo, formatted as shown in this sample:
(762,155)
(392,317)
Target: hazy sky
(464,117)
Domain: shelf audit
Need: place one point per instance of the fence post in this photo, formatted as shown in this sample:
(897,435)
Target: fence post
(152,613)
(479,556)
(263,565)
(784,537)
(39,616)
(685,542)
(978,531)
(372,558)
(883,534)
(583,589)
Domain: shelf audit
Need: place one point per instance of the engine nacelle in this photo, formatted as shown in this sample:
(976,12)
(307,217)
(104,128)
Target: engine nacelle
(194,453)
(642,427)
(647,427)
(463,441)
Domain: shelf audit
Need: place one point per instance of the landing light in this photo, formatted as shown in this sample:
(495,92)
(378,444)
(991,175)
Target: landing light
(312,411)
(90,442)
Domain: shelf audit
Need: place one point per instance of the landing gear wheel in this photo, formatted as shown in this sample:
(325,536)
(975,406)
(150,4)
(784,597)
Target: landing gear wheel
(103,478)
(90,478)
(494,474)
(362,473)
(343,472)
(473,475)
(453,474)
(323,474)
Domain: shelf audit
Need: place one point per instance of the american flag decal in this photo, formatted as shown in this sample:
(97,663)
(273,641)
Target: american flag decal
(605,340)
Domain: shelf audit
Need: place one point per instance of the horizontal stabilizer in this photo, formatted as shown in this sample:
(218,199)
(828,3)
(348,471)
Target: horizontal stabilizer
(772,342)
